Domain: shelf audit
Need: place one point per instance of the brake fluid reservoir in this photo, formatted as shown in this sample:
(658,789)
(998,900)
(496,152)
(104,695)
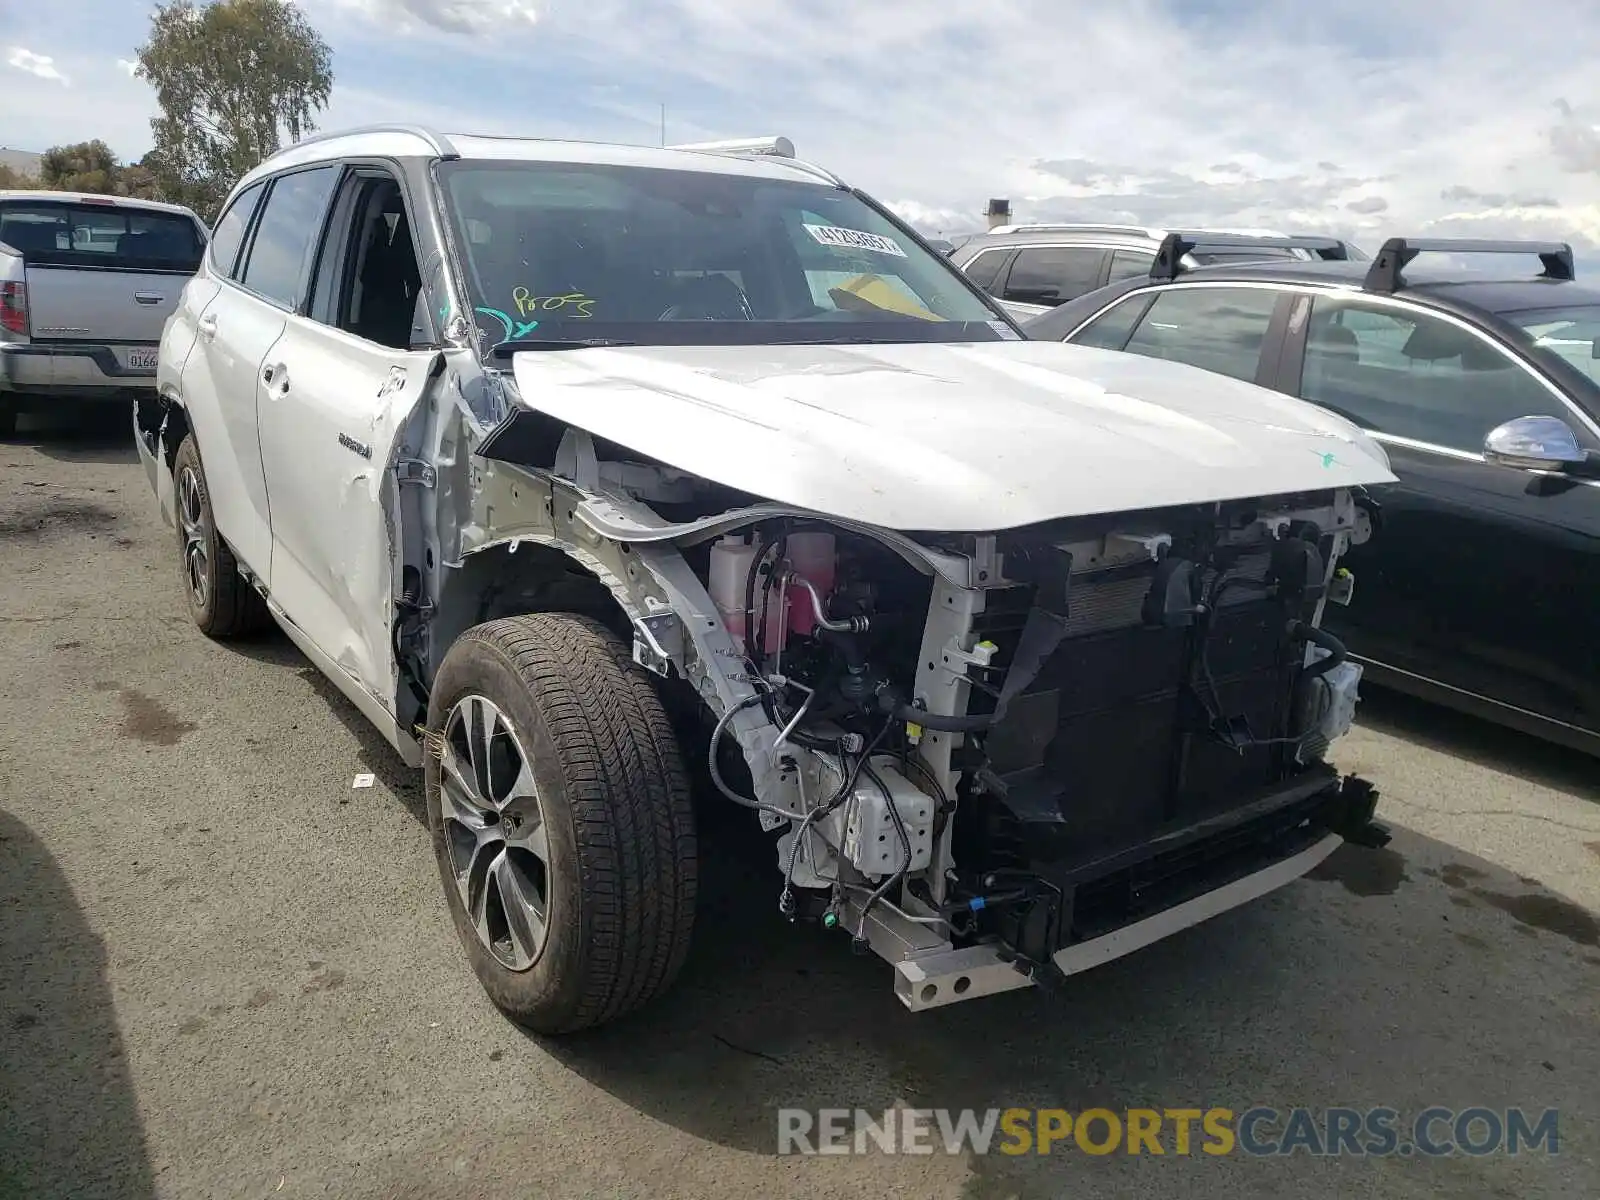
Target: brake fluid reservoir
(813,557)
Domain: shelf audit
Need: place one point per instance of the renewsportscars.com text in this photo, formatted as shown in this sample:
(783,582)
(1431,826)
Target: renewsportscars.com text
(1257,1132)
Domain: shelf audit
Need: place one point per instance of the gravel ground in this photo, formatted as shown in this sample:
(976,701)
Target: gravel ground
(225,973)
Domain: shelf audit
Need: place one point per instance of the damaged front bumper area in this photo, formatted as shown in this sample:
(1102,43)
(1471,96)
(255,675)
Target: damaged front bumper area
(1091,913)
(993,760)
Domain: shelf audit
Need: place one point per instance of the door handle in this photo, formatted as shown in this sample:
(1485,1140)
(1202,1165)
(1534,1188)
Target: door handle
(148,297)
(276,377)
(207,328)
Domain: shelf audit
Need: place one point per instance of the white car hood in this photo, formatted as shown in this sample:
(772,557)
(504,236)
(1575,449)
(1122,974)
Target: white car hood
(960,438)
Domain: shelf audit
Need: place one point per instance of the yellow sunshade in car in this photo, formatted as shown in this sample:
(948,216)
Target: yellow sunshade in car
(876,292)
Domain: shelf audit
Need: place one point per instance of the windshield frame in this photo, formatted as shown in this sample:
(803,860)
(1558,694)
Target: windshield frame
(996,324)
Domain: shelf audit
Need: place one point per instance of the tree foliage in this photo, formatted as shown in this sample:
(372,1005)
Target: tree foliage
(86,167)
(233,79)
(80,167)
(13,180)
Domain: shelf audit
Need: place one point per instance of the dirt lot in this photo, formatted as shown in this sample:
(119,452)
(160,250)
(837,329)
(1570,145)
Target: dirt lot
(223,972)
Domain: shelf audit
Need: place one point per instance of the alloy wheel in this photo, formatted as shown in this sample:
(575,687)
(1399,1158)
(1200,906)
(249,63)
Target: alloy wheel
(495,832)
(196,536)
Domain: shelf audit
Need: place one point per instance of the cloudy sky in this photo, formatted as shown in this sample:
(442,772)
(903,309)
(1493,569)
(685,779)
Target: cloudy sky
(1366,117)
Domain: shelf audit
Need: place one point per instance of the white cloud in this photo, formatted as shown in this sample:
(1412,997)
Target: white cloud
(1275,114)
(454,16)
(1365,118)
(34,64)
(128,66)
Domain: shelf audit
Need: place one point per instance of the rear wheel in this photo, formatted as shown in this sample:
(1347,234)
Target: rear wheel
(221,601)
(561,820)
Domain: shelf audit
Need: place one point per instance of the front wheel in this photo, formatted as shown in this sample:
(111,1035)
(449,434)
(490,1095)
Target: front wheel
(561,820)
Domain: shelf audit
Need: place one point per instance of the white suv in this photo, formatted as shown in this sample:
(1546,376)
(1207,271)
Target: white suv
(576,466)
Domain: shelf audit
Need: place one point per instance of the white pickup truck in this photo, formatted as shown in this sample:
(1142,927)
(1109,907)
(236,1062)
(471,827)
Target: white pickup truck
(86,283)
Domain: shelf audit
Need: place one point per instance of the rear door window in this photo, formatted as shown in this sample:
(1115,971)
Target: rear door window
(103,234)
(289,226)
(1221,329)
(1053,274)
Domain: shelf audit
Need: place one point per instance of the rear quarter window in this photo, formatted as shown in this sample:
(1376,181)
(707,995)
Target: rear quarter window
(229,237)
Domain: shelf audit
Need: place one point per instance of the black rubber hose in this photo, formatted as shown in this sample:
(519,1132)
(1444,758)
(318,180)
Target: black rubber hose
(938,722)
(1337,653)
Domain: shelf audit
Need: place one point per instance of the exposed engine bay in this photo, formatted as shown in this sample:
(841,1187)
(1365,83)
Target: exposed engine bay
(989,757)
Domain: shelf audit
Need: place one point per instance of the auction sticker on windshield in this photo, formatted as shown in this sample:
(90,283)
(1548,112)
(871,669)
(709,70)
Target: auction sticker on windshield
(854,239)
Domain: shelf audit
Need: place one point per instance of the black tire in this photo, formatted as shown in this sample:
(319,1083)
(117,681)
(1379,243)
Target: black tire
(229,607)
(614,804)
(8,418)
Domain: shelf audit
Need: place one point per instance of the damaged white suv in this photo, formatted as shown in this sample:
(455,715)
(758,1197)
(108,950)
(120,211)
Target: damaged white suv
(583,469)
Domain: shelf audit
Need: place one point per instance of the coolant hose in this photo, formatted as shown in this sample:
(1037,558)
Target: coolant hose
(1337,654)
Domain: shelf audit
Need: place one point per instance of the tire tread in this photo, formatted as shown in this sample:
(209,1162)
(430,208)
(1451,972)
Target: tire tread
(630,801)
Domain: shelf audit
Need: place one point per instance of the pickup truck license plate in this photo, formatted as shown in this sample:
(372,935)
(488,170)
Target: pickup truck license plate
(141,360)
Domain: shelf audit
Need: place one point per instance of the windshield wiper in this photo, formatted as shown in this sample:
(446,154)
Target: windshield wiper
(514,346)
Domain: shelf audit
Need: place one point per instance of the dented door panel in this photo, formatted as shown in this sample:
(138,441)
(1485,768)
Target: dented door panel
(333,406)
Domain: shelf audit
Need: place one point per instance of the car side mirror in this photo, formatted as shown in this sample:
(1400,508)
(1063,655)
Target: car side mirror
(1534,444)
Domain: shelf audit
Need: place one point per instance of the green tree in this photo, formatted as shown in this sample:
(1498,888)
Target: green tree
(13,180)
(80,167)
(233,79)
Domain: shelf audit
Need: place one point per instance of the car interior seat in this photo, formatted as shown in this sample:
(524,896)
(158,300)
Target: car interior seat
(1334,341)
(390,280)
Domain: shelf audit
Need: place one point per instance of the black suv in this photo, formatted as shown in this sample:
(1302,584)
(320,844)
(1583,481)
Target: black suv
(1485,391)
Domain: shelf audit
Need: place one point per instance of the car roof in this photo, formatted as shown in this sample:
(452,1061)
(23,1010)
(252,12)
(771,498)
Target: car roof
(401,141)
(1068,234)
(1100,235)
(1446,287)
(96,198)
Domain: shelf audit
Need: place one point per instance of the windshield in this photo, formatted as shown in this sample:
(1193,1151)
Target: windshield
(563,252)
(1566,333)
(52,233)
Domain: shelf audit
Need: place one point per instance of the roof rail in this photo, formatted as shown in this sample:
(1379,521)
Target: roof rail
(1385,273)
(437,142)
(1169,258)
(777,147)
(812,168)
(1075,227)
(771,147)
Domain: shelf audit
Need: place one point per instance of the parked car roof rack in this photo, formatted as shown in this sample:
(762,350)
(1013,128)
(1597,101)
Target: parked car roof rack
(1385,273)
(1075,227)
(777,147)
(1168,262)
(437,142)
(1148,231)
(768,147)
